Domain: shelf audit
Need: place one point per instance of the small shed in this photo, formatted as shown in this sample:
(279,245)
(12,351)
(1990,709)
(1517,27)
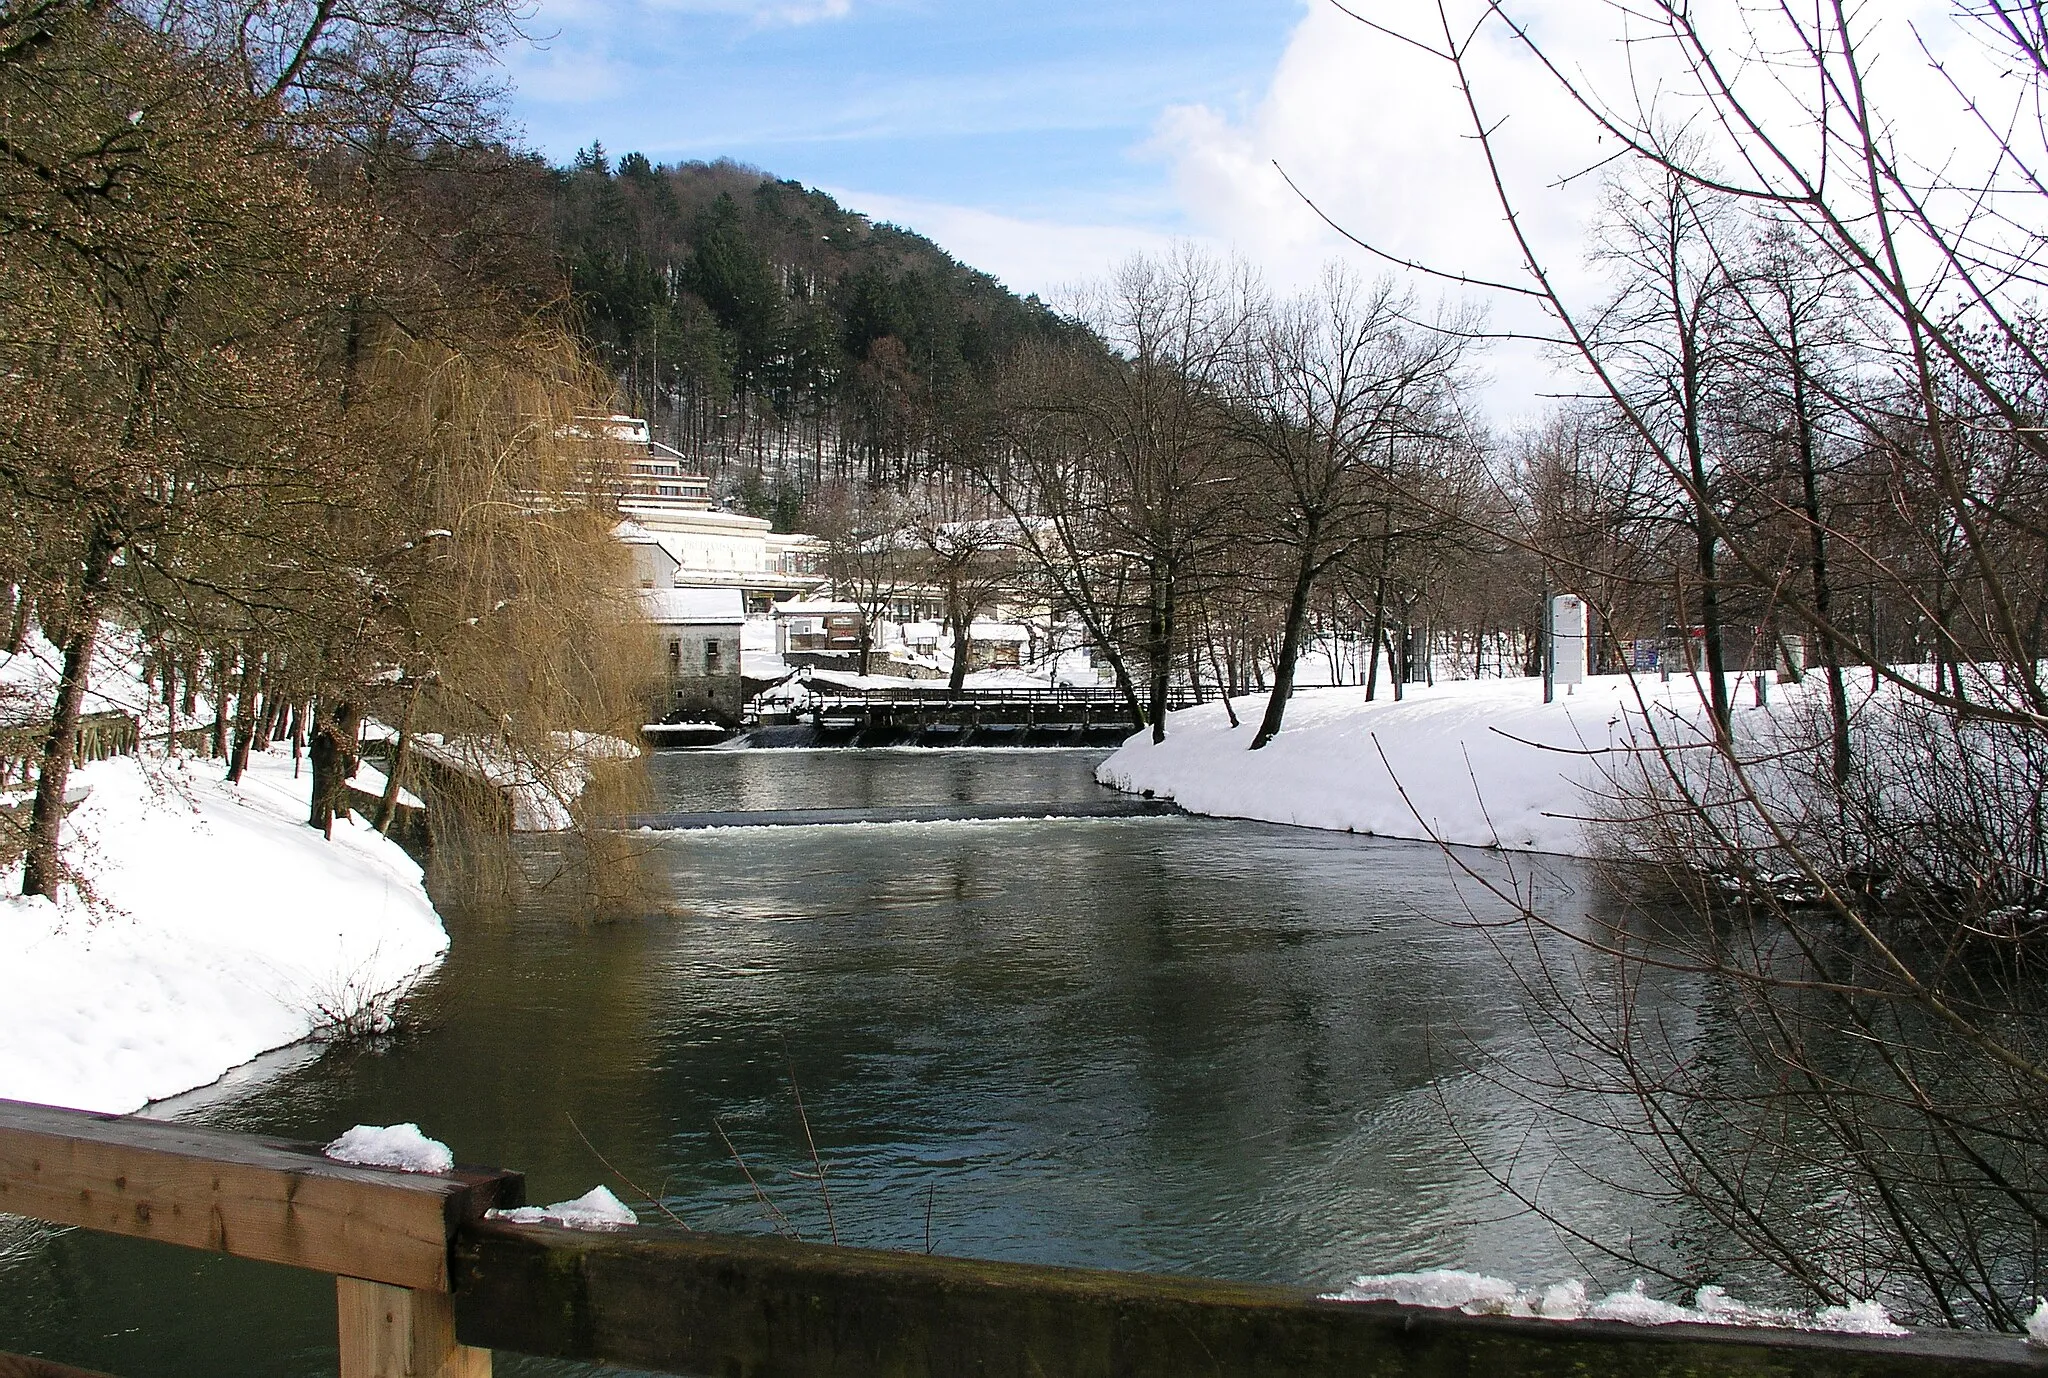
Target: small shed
(817,626)
(698,631)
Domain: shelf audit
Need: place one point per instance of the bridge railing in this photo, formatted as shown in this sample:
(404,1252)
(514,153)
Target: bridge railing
(428,1288)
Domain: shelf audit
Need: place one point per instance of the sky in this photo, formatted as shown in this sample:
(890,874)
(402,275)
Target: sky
(1044,141)
(1022,134)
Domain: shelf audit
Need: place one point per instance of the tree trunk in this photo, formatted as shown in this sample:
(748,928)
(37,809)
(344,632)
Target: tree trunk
(387,803)
(334,762)
(1705,541)
(1160,651)
(219,740)
(245,716)
(958,679)
(1290,641)
(1379,622)
(1823,586)
(17,631)
(43,866)
(1223,680)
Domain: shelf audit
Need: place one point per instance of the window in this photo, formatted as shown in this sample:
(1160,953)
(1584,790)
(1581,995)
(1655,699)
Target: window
(675,654)
(711,655)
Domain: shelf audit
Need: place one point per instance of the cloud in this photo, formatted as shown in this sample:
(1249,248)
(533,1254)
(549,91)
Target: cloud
(1047,257)
(1375,132)
(1369,130)
(567,76)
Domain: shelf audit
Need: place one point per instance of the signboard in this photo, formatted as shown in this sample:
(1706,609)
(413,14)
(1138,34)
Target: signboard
(1567,639)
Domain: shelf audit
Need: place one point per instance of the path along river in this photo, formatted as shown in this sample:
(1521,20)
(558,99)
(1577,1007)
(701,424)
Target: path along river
(1171,1044)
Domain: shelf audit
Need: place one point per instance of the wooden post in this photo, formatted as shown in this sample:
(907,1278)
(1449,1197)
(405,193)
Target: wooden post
(401,1332)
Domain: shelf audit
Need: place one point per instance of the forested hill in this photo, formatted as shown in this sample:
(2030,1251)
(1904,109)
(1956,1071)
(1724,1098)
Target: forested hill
(778,337)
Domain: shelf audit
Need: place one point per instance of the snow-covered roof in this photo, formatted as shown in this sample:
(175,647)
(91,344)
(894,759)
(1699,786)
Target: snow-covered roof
(632,533)
(694,607)
(798,608)
(976,631)
(996,631)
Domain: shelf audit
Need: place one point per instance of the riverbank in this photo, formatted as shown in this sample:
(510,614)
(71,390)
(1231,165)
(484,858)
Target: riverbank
(215,926)
(1481,763)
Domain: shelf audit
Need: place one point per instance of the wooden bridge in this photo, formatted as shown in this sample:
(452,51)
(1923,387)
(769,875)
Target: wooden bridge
(427,1287)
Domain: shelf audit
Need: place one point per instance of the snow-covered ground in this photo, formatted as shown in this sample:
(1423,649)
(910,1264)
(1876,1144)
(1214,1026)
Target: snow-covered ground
(219,926)
(1472,762)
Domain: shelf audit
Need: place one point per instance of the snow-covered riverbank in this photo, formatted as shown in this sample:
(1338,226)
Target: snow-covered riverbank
(1480,763)
(220,926)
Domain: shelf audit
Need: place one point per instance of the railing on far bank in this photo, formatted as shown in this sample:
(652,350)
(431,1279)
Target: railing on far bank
(427,1288)
(100,735)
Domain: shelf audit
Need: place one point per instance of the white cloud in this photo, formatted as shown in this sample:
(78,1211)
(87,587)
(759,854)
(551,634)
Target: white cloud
(1371,131)
(1377,134)
(566,76)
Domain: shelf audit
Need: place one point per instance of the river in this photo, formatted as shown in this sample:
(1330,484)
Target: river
(1171,1044)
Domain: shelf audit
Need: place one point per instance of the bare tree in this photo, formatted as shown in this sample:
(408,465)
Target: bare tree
(1865,906)
(1340,399)
(1153,423)
(867,547)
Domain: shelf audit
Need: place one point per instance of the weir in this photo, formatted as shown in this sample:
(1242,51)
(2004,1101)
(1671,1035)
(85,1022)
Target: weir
(427,1287)
(904,813)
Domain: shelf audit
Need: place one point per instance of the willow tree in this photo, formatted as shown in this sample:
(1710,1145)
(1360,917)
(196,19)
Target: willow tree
(499,613)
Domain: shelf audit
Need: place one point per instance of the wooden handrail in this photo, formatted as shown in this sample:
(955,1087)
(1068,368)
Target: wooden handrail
(658,1298)
(266,1199)
(384,1234)
(662,1299)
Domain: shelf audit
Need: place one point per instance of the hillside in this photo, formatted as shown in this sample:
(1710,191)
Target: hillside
(782,339)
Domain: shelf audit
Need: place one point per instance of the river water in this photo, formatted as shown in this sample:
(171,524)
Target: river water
(1171,1044)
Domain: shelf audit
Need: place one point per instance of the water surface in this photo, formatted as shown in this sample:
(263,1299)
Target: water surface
(1176,1044)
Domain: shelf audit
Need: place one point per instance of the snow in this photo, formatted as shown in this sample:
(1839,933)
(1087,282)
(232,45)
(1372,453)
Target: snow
(1482,763)
(541,791)
(596,1209)
(402,1146)
(218,926)
(371,781)
(693,607)
(2037,1325)
(1479,1295)
(28,682)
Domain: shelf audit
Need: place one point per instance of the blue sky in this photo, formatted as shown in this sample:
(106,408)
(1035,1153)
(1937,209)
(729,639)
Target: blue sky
(1036,109)
(1046,140)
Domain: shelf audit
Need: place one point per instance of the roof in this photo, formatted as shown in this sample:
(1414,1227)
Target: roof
(978,630)
(797,608)
(694,607)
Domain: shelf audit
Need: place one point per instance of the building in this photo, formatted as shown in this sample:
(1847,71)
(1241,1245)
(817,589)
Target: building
(817,627)
(990,645)
(698,636)
(668,508)
(729,550)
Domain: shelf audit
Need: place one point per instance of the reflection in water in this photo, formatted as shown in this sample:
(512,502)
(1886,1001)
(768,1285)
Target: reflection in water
(1166,1044)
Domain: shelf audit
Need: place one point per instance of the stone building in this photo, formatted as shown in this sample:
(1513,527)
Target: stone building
(698,637)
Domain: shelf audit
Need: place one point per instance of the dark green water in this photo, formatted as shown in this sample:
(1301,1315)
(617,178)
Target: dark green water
(1167,1044)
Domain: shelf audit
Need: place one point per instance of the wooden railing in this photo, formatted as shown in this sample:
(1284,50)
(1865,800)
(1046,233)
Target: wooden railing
(427,1288)
(100,735)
